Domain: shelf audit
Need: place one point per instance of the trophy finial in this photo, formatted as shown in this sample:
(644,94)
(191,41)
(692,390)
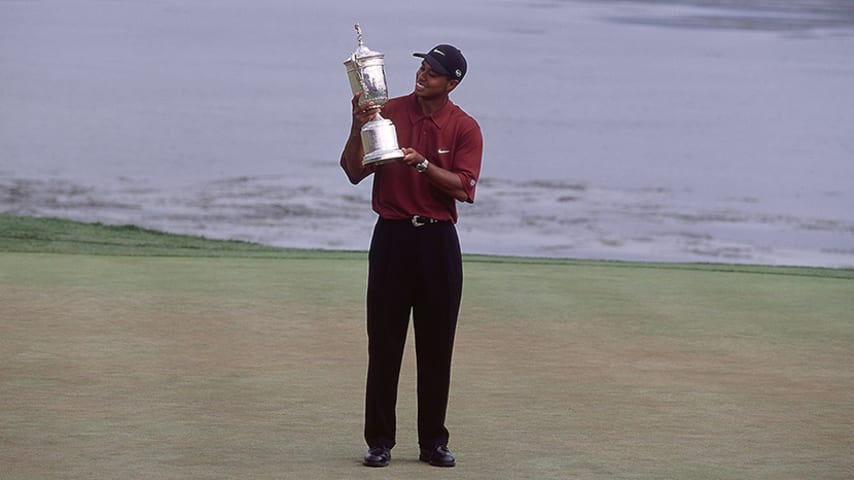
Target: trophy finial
(359,34)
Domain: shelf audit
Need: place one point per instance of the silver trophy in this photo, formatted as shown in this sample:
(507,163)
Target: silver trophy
(366,70)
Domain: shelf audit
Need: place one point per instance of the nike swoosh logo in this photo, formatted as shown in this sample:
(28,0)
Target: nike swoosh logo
(441,151)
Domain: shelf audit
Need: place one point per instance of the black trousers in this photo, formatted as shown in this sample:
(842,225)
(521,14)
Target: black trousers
(415,270)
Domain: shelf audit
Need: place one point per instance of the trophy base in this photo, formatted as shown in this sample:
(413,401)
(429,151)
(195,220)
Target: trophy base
(378,158)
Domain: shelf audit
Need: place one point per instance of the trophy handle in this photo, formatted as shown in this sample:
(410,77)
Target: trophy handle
(355,59)
(359,34)
(359,75)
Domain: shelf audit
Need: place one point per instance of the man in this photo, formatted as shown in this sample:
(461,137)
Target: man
(414,264)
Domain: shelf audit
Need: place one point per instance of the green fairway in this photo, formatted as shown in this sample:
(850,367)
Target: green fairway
(127,353)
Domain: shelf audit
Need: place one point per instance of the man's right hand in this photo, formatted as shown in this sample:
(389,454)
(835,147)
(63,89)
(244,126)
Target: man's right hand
(364,113)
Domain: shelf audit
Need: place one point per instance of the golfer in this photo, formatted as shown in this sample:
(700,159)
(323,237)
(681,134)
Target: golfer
(415,265)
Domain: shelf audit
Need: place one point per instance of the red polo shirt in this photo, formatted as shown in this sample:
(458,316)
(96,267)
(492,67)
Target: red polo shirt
(449,138)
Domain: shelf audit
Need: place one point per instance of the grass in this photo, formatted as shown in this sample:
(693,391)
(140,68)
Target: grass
(137,354)
(54,235)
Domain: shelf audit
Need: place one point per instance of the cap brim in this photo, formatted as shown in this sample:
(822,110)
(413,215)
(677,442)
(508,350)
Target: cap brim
(434,64)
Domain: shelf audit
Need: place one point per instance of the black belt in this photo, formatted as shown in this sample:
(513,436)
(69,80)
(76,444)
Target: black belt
(419,221)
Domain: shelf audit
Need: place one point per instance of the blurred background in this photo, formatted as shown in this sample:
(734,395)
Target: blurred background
(703,131)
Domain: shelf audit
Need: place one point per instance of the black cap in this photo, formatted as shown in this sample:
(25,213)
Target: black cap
(446,60)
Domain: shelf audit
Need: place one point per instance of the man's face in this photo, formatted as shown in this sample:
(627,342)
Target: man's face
(430,84)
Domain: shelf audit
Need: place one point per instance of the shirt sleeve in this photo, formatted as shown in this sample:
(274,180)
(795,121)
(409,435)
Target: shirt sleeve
(361,175)
(468,158)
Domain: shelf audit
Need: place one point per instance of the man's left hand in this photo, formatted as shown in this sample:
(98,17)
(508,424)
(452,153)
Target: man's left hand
(411,157)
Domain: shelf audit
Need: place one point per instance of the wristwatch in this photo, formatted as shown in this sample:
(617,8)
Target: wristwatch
(422,167)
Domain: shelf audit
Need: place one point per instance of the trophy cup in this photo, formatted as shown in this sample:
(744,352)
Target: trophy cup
(366,70)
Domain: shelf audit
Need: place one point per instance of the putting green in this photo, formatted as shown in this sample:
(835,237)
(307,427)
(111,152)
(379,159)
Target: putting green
(116,366)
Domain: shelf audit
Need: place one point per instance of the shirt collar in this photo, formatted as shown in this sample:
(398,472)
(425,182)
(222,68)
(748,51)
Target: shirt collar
(439,118)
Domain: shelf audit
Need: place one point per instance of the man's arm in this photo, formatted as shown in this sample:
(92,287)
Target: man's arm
(445,180)
(460,182)
(351,158)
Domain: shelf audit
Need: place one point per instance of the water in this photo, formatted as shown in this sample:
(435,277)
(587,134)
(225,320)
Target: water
(671,131)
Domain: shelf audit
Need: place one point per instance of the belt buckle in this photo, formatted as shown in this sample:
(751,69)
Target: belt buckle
(416,221)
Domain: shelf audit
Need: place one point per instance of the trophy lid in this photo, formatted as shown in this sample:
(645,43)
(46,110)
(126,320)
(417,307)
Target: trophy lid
(362,51)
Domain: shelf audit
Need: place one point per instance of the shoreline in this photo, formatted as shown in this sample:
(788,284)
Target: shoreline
(52,235)
(527,219)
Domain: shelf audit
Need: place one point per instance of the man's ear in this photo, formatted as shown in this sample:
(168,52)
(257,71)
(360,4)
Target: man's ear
(452,84)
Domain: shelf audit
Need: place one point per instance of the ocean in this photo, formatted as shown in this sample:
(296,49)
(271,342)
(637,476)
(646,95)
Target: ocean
(674,131)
